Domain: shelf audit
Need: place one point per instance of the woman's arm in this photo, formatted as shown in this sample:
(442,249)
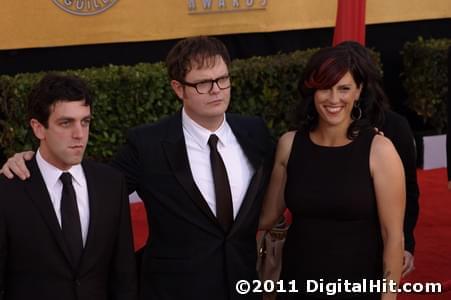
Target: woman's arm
(388,178)
(274,202)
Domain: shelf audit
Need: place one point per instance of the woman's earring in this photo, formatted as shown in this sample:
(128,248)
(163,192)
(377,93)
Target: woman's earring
(356,113)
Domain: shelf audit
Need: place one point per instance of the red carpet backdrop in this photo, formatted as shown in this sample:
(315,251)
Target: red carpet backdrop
(350,23)
(433,234)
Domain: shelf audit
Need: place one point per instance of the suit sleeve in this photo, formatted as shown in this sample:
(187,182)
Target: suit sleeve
(405,145)
(448,136)
(123,284)
(270,143)
(127,161)
(3,244)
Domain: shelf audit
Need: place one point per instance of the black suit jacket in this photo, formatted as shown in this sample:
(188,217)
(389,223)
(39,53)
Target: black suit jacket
(397,129)
(188,255)
(34,260)
(448,133)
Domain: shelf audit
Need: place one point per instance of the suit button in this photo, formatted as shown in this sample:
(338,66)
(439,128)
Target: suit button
(77,282)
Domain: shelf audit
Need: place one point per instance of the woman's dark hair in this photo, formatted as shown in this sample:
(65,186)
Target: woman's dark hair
(368,63)
(52,88)
(324,69)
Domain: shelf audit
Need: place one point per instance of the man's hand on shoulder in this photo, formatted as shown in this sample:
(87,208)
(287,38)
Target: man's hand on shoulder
(15,165)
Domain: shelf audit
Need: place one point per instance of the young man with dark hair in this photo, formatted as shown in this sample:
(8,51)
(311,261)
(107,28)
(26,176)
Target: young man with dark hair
(65,233)
(202,174)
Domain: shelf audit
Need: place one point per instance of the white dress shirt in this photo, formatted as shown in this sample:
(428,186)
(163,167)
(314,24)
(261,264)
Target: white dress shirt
(239,169)
(51,175)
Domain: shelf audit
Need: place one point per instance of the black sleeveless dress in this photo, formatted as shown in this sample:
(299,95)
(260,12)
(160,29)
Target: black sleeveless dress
(335,234)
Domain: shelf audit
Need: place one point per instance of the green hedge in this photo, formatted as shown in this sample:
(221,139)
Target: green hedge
(426,79)
(126,96)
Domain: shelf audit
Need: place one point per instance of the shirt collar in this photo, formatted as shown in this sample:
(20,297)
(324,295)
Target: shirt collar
(200,135)
(52,174)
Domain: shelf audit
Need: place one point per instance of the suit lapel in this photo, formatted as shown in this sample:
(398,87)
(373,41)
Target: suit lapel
(175,148)
(39,195)
(247,141)
(256,157)
(249,199)
(95,214)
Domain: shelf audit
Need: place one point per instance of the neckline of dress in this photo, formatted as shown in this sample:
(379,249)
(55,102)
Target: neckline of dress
(331,147)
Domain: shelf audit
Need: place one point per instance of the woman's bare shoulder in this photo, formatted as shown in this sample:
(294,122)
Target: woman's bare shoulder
(284,146)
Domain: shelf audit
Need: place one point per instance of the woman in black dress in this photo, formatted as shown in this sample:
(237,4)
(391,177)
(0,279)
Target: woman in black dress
(344,185)
(397,129)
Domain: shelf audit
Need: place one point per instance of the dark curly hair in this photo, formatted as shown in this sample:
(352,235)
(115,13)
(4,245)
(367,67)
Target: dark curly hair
(54,87)
(324,69)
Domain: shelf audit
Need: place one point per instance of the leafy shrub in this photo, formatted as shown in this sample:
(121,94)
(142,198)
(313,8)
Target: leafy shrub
(126,96)
(426,79)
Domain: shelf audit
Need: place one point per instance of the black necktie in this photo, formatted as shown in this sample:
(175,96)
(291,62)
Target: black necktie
(70,219)
(224,206)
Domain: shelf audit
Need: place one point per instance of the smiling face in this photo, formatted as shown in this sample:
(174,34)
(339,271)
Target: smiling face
(334,105)
(63,141)
(205,109)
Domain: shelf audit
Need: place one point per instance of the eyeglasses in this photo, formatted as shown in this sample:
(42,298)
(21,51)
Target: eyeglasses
(205,87)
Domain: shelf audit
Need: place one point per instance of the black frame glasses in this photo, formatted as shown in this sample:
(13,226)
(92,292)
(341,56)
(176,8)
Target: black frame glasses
(205,86)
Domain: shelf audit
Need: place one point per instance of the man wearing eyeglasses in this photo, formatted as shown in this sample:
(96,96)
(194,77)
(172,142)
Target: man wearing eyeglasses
(201,174)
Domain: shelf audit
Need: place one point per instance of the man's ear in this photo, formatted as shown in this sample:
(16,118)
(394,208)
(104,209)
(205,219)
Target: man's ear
(178,88)
(38,129)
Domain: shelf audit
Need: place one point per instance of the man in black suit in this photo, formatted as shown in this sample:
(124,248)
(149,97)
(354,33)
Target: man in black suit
(202,228)
(202,174)
(65,233)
